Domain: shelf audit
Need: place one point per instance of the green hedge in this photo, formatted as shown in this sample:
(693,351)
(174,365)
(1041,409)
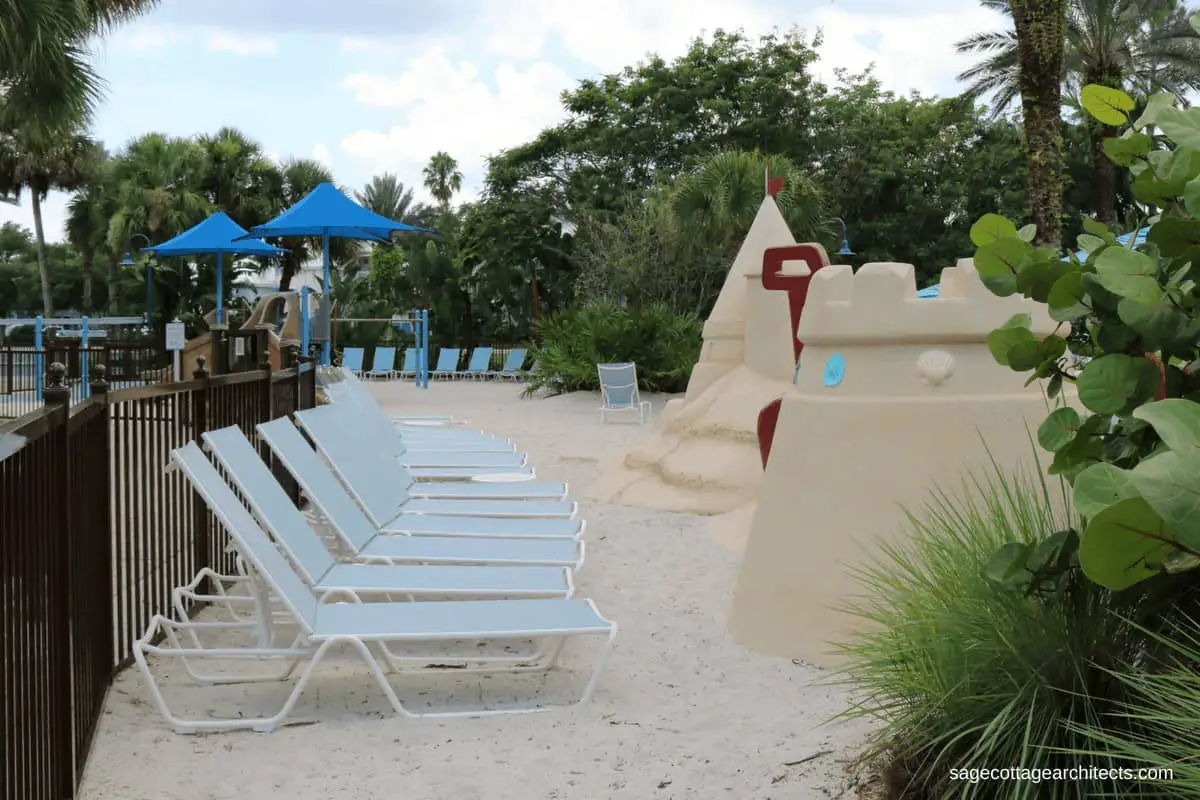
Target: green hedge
(664,345)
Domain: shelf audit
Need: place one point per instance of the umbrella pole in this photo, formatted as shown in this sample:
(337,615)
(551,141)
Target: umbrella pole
(327,355)
(220,293)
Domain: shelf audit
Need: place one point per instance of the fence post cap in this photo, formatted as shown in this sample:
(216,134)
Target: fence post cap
(200,372)
(56,391)
(99,379)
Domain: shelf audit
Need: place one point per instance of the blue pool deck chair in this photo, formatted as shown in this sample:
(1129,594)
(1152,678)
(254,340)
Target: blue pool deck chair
(383,365)
(352,359)
(511,369)
(447,363)
(477,366)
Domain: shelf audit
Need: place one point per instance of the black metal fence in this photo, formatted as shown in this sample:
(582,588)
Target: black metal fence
(22,371)
(93,537)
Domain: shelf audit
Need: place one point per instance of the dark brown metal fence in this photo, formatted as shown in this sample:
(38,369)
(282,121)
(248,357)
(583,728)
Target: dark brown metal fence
(127,364)
(94,535)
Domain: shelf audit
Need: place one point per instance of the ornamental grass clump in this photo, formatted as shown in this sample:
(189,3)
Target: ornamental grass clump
(965,672)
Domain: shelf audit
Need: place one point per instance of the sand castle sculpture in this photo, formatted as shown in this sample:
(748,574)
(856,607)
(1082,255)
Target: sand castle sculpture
(893,395)
(705,459)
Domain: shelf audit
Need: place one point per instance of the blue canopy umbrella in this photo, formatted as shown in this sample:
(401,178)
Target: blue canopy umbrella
(217,235)
(1140,234)
(327,212)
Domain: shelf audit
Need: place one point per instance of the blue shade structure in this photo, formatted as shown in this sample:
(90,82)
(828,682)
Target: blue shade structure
(328,213)
(217,236)
(1139,239)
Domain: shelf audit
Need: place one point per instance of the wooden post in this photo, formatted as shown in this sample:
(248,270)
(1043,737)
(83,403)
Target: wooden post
(201,547)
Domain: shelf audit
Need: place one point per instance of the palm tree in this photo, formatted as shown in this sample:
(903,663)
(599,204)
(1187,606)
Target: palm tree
(39,164)
(88,213)
(719,200)
(1146,44)
(298,177)
(386,195)
(238,177)
(48,81)
(442,178)
(157,184)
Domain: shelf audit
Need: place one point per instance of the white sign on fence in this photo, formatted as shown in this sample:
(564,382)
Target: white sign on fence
(176,336)
(239,347)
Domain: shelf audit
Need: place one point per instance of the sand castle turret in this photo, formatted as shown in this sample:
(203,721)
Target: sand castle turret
(704,458)
(894,395)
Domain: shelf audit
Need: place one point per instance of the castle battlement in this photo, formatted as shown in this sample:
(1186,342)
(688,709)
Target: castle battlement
(879,304)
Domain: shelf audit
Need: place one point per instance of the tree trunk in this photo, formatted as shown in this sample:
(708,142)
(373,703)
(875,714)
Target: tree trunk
(1104,177)
(87,280)
(1041,31)
(287,270)
(39,236)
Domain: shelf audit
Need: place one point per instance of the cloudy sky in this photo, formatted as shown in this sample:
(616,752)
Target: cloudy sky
(373,85)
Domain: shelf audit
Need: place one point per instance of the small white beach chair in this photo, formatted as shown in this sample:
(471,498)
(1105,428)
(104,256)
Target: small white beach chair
(360,625)
(619,391)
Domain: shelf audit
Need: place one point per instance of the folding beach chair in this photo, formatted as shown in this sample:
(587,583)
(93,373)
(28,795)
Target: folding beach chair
(447,363)
(383,364)
(619,391)
(324,625)
(429,539)
(477,365)
(352,359)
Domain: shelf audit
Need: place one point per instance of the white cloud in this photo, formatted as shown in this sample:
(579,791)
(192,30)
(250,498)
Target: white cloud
(611,34)
(143,38)
(445,105)
(911,51)
(225,42)
(320,154)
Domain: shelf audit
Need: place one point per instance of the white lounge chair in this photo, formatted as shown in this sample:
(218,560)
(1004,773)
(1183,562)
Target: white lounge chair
(365,412)
(333,379)
(380,484)
(448,540)
(325,625)
(619,391)
(357,426)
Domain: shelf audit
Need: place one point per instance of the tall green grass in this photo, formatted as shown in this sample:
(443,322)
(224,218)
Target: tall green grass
(963,673)
(1160,727)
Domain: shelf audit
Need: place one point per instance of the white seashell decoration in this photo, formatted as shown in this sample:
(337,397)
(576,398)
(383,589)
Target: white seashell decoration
(935,367)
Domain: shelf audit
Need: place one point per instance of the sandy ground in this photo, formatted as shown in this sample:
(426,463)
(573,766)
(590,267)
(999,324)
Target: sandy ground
(681,711)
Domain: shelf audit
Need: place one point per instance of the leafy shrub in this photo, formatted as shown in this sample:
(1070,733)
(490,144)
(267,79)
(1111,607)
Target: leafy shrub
(664,345)
(1134,459)
(966,674)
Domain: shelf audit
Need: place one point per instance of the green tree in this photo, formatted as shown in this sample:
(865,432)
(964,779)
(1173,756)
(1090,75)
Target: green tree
(656,118)
(38,164)
(387,195)
(49,83)
(1113,43)
(238,178)
(442,178)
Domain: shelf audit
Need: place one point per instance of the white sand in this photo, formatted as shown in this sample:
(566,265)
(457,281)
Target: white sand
(681,711)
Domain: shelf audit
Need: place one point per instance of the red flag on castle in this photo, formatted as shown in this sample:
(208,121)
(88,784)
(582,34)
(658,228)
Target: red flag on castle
(774,185)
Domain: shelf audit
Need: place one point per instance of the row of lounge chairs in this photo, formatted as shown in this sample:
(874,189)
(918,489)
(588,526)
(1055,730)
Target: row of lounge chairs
(383,364)
(447,518)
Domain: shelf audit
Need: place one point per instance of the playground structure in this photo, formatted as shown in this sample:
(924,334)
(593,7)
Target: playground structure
(705,457)
(896,394)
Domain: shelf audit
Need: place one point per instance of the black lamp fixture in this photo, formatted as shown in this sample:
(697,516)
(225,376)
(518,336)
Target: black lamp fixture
(128,261)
